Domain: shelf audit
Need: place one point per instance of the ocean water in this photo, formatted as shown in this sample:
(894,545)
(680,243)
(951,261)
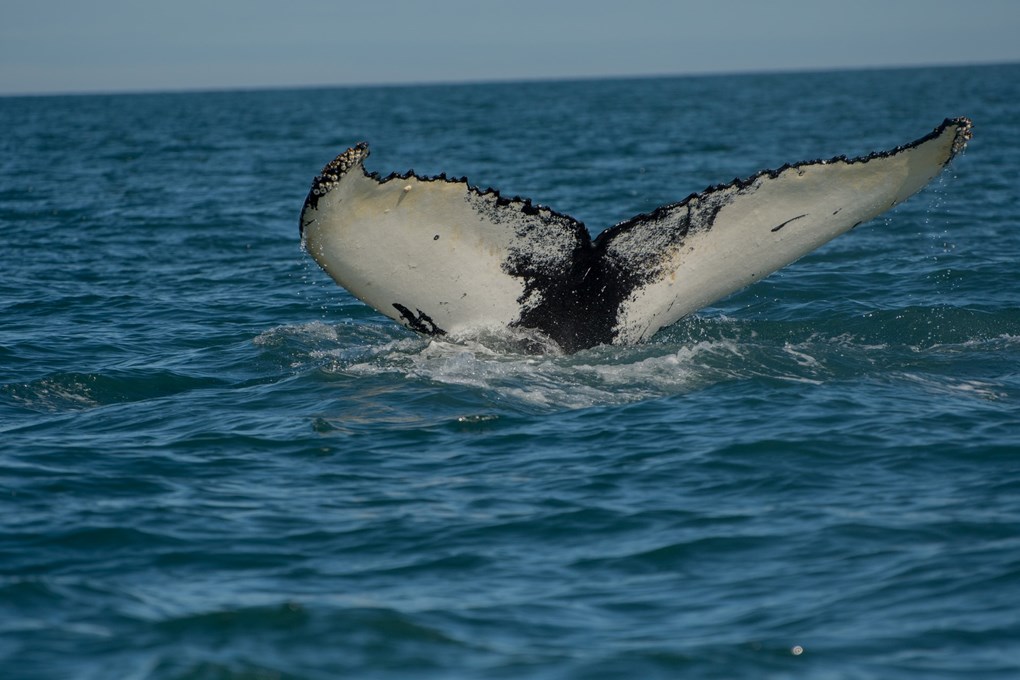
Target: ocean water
(215,463)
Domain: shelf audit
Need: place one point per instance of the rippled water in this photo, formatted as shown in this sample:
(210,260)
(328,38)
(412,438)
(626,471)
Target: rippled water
(217,464)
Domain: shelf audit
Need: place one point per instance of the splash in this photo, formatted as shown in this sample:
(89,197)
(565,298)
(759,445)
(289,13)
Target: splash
(506,370)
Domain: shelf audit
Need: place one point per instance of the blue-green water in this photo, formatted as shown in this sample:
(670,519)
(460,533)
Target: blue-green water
(217,464)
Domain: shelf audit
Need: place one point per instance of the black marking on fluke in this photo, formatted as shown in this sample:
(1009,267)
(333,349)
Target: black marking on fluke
(577,302)
(780,226)
(420,322)
(579,308)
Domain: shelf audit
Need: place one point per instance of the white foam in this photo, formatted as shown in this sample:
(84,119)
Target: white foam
(514,367)
(597,377)
(980,389)
(523,369)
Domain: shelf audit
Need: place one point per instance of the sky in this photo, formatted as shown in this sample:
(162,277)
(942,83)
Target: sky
(57,46)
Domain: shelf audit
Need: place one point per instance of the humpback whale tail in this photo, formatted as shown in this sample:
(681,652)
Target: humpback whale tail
(441,256)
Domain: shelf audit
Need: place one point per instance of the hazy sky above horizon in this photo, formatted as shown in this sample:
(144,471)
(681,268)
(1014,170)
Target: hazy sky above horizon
(49,46)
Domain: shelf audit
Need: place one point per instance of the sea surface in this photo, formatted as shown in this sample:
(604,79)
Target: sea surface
(215,463)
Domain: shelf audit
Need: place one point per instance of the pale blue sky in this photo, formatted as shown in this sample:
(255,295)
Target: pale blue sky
(114,45)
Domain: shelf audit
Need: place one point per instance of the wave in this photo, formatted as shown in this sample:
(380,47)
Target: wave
(942,349)
(72,391)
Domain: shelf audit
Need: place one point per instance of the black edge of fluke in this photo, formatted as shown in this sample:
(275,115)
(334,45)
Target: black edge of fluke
(963,135)
(355,156)
(332,173)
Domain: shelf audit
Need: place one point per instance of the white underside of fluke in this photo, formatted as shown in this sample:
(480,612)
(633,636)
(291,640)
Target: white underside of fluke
(440,256)
(418,244)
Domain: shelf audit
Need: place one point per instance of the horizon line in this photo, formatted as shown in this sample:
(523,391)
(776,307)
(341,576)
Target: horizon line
(507,80)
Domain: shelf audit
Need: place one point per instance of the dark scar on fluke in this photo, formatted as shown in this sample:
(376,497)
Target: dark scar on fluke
(420,322)
(780,226)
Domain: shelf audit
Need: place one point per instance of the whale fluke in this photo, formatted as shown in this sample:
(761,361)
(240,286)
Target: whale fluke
(443,257)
